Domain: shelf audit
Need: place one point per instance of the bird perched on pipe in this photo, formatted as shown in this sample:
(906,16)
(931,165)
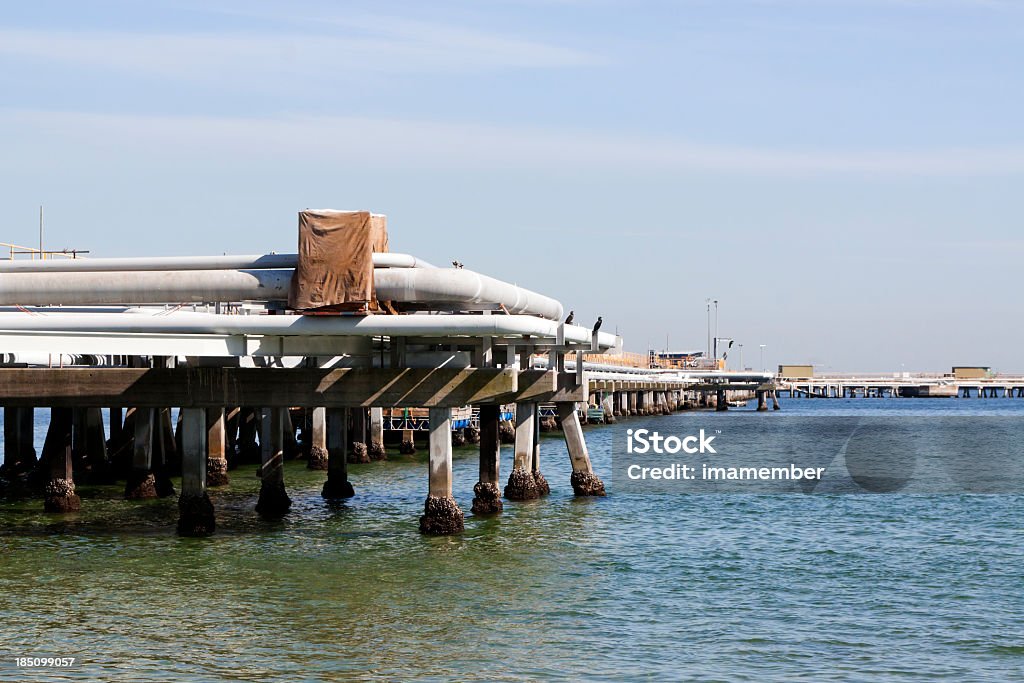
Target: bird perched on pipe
(568,319)
(597,325)
(457,264)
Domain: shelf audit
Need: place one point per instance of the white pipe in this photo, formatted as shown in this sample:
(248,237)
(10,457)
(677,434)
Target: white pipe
(143,287)
(394,260)
(142,263)
(51,359)
(181,322)
(457,286)
(414,285)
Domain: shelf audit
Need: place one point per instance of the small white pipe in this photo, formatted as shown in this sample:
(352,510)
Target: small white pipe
(161,263)
(51,359)
(297,325)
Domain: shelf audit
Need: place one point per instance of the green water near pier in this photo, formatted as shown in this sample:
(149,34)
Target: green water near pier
(629,587)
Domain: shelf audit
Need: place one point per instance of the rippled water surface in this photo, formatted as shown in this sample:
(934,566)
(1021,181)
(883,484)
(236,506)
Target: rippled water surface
(638,586)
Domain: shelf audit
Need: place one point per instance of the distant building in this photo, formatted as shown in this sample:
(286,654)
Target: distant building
(971,371)
(796,371)
(681,359)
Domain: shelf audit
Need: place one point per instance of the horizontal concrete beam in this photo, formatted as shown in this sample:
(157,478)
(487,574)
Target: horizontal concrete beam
(732,387)
(545,386)
(264,387)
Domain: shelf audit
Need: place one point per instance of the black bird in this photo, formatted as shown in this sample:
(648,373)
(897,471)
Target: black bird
(568,320)
(597,325)
(457,264)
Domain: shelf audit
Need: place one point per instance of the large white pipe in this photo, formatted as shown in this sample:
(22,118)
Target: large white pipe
(181,322)
(143,287)
(459,288)
(142,263)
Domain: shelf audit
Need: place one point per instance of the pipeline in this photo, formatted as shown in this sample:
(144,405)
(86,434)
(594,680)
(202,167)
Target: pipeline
(166,263)
(453,288)
(52,359)
(181,322)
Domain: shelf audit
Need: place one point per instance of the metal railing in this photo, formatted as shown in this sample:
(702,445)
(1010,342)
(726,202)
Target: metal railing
(16,250)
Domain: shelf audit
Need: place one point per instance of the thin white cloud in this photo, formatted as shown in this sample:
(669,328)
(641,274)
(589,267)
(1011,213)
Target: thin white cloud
(330,53)
(406,144)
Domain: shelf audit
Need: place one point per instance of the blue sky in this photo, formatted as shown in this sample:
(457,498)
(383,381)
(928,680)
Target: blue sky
(843,175)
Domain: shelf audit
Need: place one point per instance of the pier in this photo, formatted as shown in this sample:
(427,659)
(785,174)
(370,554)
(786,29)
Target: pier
(901,385)
(344,343)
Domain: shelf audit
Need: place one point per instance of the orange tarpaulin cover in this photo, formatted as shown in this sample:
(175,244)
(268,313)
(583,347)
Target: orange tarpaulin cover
(335,267)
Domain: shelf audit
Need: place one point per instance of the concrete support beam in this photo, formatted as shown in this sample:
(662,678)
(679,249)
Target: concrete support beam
(584,481)
(216,448)
(521,483)
(274,501)
(359,453)
(195,511)
(141,483)
(166,459)
(318,454)
(376,445)
(96,443)
(59,491)
(486,494)
(441,514)
(19,453)
(337,484)
(248,428)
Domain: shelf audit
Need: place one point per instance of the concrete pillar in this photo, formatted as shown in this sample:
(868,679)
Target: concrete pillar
(761,404)
(486,494)
(408,446)
(195,511)
(721,403)
(358,452)
(231,419)
(608,404)
(318,455)
(27,435)
(274,501)
(248,428)
(116,420)
(166,459)
(441,514)
(291,444)
(775,400)
(141,483)
(521,483)
(59,490)
(78,440)
(216,448)
(376,445)
(584,481)
(19,454)
(96,445)
(337,484)
(121,450)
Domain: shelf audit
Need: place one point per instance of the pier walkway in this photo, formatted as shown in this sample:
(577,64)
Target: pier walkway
(345,330)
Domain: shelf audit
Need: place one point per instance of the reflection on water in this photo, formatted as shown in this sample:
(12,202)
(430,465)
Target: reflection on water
(626,587)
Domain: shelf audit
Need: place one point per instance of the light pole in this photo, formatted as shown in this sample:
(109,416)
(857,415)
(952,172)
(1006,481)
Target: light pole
(762,356)
(715,301)
(741,356)
(708,302)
